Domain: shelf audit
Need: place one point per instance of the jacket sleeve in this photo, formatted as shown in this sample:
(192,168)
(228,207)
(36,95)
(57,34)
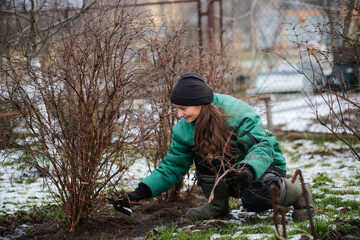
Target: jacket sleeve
(175,164)
(256,141)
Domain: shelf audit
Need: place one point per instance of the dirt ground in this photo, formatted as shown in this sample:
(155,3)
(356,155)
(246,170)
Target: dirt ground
(114,225)
(110,224)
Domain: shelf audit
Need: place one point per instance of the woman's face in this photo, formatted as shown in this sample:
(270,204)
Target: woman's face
(189,113)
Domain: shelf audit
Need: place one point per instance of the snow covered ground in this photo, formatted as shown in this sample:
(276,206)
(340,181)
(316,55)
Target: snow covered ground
(314,159)
(295,114)
(21,189)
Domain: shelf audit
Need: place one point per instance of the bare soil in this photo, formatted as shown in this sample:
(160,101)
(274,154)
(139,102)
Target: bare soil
(143,222)
(110,224)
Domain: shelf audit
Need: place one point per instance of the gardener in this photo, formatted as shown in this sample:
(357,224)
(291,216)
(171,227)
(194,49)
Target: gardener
(225,138)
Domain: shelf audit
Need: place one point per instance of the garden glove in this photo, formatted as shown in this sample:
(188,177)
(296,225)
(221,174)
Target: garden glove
(125,202)
(243,179)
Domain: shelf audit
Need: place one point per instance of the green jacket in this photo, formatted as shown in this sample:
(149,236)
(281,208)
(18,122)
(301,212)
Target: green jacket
(256,145)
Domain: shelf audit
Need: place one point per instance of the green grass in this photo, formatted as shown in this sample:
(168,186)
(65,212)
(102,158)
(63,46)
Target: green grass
(341,207)
(325,164)
(337,212)
(322,179)
(322,228)
(207,229)
(34,215)
(19,180)
(12,203)
(30,180)
(294,159)
(319,141)
(309,165)
(333,202)
(227,230)
(7,163)
(338,191)
(234,204)
(292,156)
(325,228)
(357,176)
(353,182)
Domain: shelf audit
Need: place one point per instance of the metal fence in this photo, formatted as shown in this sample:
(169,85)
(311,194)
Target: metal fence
(261,31)
(253,32)
(264,40)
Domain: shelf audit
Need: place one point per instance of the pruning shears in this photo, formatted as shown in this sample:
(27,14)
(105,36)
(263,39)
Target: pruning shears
(123,204)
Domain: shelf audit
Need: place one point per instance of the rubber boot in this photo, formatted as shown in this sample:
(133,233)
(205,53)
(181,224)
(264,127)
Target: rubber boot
(218,207)
(292,195)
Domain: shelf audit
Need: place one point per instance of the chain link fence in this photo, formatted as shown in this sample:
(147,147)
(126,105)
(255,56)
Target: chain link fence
(266,42)
(260,31)
(272,42)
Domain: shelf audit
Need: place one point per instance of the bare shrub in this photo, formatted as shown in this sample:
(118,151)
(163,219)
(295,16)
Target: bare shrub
(215,66)
(33,23)
(9,120)
(168,55)
(77,104)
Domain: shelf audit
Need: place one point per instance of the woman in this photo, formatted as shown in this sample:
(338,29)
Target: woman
(222,136)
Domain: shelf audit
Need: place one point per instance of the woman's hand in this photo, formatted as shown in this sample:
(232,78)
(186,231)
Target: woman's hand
(124,203)
(243,179)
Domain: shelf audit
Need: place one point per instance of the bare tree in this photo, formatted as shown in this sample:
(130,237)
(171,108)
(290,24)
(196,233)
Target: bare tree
(78,105)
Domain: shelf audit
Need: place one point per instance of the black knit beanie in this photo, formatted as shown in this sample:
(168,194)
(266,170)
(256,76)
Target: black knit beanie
(191,90)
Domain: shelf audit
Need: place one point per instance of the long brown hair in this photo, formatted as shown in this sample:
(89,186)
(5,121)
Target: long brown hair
(211,135)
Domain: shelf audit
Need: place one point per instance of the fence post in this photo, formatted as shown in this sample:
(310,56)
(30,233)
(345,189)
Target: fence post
(267,99)
(268,113)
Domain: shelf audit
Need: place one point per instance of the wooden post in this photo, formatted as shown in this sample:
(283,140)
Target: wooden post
(267,99)
(268,113)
